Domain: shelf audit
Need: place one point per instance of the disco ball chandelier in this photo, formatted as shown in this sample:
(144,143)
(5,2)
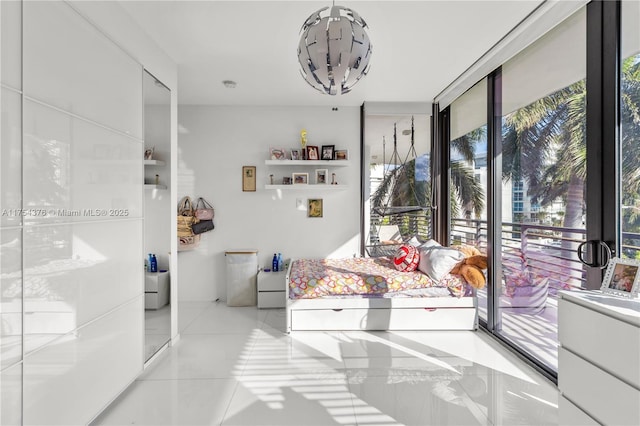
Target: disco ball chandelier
(334,50)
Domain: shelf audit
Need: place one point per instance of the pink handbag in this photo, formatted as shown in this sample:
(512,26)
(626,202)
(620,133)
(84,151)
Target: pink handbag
(204,210)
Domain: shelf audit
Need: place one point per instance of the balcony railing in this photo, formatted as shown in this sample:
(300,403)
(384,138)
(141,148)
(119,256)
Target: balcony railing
(546,252)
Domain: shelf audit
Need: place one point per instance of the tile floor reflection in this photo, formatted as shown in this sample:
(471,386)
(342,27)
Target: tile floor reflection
(235,366)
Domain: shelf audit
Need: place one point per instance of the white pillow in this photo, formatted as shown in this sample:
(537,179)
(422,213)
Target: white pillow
(438,261)
(430,243)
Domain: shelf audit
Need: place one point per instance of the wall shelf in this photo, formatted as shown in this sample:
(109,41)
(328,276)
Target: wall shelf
(324,163)
(154,186)
(153,162)
(307,187)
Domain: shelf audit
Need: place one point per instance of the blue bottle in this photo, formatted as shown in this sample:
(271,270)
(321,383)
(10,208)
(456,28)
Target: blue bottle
(149,261)
(280,262)
(154,263)
(274,263)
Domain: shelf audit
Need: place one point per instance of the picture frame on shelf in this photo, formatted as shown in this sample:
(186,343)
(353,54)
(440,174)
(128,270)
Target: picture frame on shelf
(249,178)
(622,277)
(277,153)
(314,207)
(300,178)
(148,153)
(327,152)
(286,180)
(295,154)
(312,152)
(342,154)
(322,176)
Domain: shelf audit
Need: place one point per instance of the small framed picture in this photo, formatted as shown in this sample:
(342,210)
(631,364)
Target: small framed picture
(295,154)
(327,152)
(249,178)
(286,180)
(622,277)
(300,178)
(312,152)
(148,153)
(314,207)
(322,177)
(277,154)
(342,154)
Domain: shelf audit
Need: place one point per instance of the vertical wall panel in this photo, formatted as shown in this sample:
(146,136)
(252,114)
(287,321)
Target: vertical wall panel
(75,170)
(75,273)
(10,158)
(71,380)
(68,63)
(11,44)
(11,395)
(11,297)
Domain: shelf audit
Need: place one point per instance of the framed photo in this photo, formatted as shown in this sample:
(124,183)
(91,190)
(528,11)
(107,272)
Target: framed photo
(342,154)
(295,154)
(312,152)
(622,277)
(314,207)
(327,152)
(249,178)
(286,180)
(148,153)
(300,178)
(322,177)
(277,154)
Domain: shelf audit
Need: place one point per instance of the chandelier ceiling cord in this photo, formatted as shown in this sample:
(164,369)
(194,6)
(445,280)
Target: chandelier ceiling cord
(334,50)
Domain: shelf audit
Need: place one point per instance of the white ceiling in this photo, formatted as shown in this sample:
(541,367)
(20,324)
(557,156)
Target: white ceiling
(419,47)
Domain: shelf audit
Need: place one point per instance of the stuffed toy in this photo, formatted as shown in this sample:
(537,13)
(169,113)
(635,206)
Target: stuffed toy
(472,266)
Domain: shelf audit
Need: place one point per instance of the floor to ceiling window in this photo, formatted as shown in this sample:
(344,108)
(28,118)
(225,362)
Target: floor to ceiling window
(543,185)
(397,197)
(630,129)
(468,173)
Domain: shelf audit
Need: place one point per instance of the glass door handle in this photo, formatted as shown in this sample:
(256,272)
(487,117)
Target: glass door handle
(587,254)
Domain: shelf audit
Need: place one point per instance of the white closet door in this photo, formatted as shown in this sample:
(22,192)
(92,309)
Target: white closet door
(71,65)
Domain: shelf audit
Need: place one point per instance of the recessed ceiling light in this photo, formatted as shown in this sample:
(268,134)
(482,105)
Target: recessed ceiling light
(229,84)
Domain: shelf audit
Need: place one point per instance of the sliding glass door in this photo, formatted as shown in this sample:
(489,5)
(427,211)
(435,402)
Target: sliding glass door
(630,130)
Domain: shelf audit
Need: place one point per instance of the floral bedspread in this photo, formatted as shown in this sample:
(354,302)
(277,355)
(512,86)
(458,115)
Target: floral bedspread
(311,278)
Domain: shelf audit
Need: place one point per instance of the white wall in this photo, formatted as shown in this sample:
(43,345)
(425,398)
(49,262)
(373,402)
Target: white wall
(214,144)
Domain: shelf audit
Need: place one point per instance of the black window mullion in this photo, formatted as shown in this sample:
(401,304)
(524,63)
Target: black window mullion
(603,165)
(494,197)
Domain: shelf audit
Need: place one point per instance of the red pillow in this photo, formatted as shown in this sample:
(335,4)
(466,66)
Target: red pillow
(407,258)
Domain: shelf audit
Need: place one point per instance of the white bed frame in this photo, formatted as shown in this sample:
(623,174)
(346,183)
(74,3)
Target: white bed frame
(400,313)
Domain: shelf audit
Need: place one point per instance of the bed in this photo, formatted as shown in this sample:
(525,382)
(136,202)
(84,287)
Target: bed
(370,294)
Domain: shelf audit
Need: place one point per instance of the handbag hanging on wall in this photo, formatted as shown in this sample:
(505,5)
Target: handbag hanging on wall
(186,217)
(202,226)
(204,210)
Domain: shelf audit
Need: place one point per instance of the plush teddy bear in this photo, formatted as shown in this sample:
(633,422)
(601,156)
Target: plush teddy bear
(471,267)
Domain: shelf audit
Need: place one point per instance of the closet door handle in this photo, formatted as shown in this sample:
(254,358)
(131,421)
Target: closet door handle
(588,250)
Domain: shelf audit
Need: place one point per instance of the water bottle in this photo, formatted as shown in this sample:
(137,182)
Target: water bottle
(280,265)
(274,263)
(149,262)
(154,263)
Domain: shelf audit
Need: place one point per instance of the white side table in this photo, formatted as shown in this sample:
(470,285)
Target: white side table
(271,289)
(156,289)
(598,368)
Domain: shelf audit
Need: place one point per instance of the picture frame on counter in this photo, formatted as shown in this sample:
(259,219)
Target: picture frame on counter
(622,277)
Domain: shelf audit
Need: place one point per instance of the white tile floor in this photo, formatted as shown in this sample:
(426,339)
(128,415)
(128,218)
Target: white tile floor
(235,366)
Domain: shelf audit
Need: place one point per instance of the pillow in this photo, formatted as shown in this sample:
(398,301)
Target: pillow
(438,261)
(430,243)
(406,258)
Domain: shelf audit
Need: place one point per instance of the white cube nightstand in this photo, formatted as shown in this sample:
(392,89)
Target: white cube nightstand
(156,289)
(271,289)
